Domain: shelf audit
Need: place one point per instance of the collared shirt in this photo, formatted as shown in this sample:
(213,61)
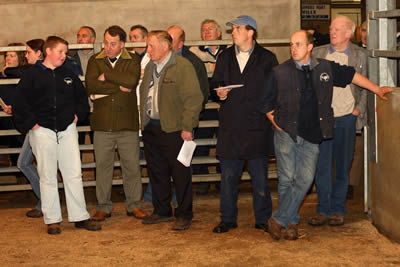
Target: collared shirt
(243,56)
(332,50)
(117,57)
(210,49)
(152,108)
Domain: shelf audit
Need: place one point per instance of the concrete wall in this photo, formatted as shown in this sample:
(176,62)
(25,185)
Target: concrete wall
(23,20)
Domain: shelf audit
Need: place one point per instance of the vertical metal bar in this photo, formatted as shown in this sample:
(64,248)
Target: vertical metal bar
(366,171)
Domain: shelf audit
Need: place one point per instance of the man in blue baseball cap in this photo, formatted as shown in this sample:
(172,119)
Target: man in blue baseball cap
(244,134)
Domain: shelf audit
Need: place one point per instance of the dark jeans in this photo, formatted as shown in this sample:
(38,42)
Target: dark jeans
(231,172)
(161,150)
(340,150)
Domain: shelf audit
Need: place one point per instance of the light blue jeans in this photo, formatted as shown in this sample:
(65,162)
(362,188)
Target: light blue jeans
(60,149)
(24,163)
(296,164)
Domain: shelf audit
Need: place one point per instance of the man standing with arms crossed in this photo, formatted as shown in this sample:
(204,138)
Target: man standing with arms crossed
(111,79)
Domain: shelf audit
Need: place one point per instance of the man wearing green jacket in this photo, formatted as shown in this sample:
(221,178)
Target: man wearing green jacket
(170,103)
(111,78)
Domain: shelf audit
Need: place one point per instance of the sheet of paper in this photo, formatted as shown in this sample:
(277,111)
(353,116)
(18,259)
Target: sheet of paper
(229,87)
(186,153)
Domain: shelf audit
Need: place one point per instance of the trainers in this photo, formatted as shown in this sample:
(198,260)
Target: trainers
(89,225)
(155,218)
(53,229)
(34,213)
(181,224)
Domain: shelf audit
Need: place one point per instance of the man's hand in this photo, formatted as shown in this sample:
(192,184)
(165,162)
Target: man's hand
(270,116)
(8,109)
(223,93)
(36,127)
(124,89)
(101,77)
(187,136)
(356,112)
(75,119)
(384,90)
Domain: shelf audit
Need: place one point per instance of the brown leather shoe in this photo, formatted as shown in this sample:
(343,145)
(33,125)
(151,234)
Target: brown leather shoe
(291,232)
(137,213)
(89,225)
(53,229)
(181,224)
(318,220)
(100,216)
(34,213)
(274,229)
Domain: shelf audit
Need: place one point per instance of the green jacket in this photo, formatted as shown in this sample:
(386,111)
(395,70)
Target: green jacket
(118,110)
(180,98)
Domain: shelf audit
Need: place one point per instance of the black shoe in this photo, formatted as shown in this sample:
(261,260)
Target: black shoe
(89,225)
(224,227)
(262,226)
(181,224)
(154,219)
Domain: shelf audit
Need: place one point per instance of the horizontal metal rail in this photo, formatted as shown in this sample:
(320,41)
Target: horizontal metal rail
(384,53)
(263,41)
(384,14)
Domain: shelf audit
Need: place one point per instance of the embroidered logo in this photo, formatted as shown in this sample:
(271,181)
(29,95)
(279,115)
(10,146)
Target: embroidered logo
(68,80)
(324,77)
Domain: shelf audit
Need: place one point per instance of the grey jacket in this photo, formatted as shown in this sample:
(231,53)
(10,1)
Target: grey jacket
(357,59)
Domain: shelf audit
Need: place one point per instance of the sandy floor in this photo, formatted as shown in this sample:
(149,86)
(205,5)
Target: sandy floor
(125,241)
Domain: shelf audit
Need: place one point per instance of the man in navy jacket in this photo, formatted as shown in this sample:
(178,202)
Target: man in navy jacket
(244,133)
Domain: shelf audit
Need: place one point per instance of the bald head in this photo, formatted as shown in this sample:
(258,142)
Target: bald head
(178,37)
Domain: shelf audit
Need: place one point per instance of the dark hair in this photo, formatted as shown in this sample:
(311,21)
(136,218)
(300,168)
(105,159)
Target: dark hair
(116,30)
(162,36)
(92,31)
(36,44)
(20,54)
(53,41)
(248,27)
(142,28)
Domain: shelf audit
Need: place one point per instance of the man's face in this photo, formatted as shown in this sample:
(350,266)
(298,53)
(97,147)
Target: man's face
(83,36)
(176,33)
(136,36)
(56,56)
(299,49)
(363,31)
(112,45)
(156,49)
(240,34)
(340,32)
(209,32)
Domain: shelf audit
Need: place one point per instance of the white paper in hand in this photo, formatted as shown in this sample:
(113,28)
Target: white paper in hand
(186,153)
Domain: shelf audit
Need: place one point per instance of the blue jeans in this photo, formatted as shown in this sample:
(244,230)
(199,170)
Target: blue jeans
(148,195)
(24,163)
(339,149)
(296,169)
(231,172)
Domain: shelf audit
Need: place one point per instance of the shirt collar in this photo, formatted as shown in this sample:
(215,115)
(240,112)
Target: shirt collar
(237,50)
(161,65)
(299,64)
(332,50)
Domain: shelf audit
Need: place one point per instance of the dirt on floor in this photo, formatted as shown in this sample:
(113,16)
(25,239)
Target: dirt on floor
(125,241)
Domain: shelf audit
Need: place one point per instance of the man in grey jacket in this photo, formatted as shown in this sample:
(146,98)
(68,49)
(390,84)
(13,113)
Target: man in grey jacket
(349,107)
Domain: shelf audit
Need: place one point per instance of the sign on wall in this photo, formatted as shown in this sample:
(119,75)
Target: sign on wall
(315,12)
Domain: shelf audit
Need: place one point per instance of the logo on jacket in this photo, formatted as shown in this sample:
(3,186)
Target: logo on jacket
(68,80)
(324,77)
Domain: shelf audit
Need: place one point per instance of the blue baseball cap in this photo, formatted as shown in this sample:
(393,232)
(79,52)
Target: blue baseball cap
(243,20)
